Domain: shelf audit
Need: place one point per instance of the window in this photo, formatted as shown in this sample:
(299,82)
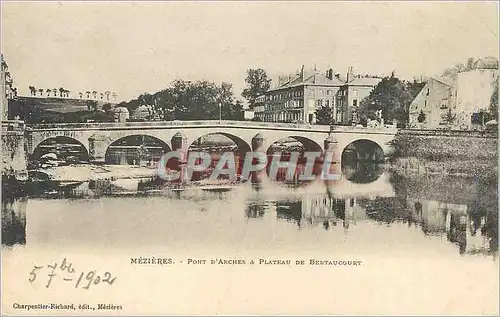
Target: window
(328,92)
(319,103)
(327,103)
(355,103)
(425,103)
(428,91)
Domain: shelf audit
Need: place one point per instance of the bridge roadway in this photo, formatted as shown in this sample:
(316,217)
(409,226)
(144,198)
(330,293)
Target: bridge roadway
(97,137)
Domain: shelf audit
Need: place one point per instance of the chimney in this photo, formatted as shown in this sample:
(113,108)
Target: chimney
(329,74)
(350,73)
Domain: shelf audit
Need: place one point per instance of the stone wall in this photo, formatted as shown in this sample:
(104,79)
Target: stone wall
(14,163)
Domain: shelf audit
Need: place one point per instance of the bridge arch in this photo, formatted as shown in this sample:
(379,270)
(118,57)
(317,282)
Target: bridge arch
(241,144)
(136,149)
(65,148)
(307,143)
(363,150)
(361,161)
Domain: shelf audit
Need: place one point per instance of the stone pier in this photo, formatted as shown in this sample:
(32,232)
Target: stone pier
(14,162)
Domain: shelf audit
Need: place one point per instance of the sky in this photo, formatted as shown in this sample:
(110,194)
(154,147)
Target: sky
(136,47)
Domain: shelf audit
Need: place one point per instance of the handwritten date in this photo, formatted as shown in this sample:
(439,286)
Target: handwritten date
(67,273)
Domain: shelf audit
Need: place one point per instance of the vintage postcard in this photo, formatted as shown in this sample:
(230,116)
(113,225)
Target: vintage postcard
(249,158)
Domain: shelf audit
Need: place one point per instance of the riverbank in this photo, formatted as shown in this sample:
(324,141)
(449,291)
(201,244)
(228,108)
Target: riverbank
(445,153)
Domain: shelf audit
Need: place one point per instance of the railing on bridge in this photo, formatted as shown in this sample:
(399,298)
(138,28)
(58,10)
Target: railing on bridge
(13,125)
(201,123)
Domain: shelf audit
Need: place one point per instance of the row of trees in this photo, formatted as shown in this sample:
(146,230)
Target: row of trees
(187,100)
(64,93)
(103,95)
(61,92)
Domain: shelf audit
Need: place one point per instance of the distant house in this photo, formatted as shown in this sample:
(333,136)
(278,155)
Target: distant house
(142,112)
(431,106)
(474,89)
(350,95)
(456,103)
(120,114)
(248,114)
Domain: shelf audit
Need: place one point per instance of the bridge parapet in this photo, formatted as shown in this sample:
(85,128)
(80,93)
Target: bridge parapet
(13,125)
(206,123)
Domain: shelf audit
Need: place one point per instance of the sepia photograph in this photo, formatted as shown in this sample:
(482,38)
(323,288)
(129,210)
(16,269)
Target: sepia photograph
(249,158)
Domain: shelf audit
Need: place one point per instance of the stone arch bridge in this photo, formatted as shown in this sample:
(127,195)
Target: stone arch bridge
(97,137)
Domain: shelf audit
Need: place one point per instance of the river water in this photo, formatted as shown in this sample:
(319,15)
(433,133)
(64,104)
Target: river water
(432,238)
(440,214)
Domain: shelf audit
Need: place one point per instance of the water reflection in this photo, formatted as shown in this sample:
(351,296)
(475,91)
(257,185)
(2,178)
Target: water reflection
(467,218)
(361,172)
(255,209)
(464,211)
(14,221)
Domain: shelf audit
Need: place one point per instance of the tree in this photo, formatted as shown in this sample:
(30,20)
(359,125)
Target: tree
(494,101)
(470,64)
(94,93)
(106,108)
(80,94)
(450,117)
(107,93)
(391,96)
(102,95)
(421,117)
(54,91)
(61,91)
(257,84)
(92,105)
(324,115)
(88,94)
(32,90)
(186,100)
(460,67)
(48,91)
(41,92)
(414,87)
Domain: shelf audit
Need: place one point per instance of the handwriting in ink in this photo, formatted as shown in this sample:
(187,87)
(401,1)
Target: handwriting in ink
(67,273)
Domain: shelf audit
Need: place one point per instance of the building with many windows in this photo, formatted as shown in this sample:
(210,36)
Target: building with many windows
(297,98)
(7,91)
(355,89)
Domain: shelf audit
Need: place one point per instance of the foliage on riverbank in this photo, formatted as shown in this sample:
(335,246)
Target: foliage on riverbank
(445,154)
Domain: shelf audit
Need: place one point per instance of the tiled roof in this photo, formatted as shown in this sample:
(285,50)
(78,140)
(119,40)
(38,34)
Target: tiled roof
(315,79)
(443,81)
(320,79)
(486,63)
(364,81)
